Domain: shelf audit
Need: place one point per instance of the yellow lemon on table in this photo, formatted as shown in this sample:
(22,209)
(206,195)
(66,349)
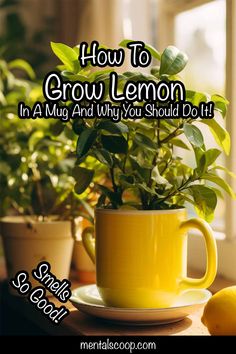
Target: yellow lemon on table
(220,312)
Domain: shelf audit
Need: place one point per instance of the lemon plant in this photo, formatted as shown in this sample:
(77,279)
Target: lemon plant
(139,155)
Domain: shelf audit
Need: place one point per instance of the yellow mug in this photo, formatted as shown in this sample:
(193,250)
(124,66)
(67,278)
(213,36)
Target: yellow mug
(141,256)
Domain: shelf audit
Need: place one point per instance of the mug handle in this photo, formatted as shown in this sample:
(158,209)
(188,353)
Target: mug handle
(89,242)
(211,249)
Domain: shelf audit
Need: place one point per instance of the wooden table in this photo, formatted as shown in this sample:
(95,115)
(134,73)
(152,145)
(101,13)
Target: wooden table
(78,323)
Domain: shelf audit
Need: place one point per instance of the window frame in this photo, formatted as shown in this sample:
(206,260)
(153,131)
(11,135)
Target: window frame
(226,242)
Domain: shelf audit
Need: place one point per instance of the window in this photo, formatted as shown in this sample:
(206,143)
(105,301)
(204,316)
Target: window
(200,32)
(206,30)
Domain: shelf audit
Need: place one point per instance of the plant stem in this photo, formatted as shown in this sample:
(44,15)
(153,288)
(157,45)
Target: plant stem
(158,132)
(165,168)
(85,123)
(95,122)
(143,200)
(126,156)
(171,135)
(175,132)
(40,197)
(155,157)
(182,187)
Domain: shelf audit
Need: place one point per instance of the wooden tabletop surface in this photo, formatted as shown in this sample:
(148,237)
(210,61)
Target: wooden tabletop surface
(78,323)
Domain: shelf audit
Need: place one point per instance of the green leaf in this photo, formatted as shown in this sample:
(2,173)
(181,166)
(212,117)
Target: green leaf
(142,172)
(208,158)
(78,126)
(193,134)
(217,192)
(154,53)
(126,180)
(114,143)
(172,61)
(104,157)
(34,139)
(223,168)
(145,188)
(114,128)
(83,177)
(23,65)
(74,77)
(198,155)
(211,155)
(67,55)
(221,104)
(205,201)
(85,141)
(69,133)
(186,198)
(156,177)
(2,99)
(145,142)
(220,182)
(144,159)
(196,97)
(179,143)
(101,201)
(114,198)
(99,73)
(135,76)
(220,134)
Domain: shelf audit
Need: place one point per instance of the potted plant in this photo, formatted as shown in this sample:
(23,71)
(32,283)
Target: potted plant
(140,214)
(38,204)
(139,155)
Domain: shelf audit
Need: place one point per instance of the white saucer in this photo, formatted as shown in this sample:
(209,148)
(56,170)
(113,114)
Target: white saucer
(88,300)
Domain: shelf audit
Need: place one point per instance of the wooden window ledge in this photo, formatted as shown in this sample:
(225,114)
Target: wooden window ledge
(78,323)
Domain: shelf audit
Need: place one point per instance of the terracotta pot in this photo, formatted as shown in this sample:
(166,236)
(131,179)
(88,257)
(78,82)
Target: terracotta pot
(28,242)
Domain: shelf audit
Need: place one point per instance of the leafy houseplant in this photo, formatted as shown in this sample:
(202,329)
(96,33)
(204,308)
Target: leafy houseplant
(35,163)
(145,171)
(37,196)
(141,258)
